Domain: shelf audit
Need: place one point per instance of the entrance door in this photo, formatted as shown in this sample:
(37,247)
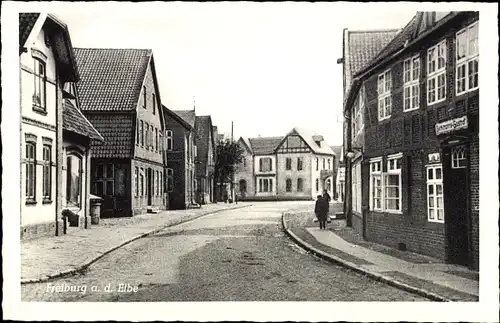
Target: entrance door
(150,185)
(456,197)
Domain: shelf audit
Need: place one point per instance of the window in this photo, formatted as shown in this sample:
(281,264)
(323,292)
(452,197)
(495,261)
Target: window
(392,184)
(136,181)
(317,185)
(288,185)
(458,157)
(300,184)
(324,164)
(157,182)
(151,138)
(144,97)
(169,140)
(161,183)
(436,73)
(356,187)
(317,163)
(288,164)
(73,180)
(156,139)
(376,184)
(47,173)
(161,140)
(435,206)
(141,177)
(300,163)
(243,186)
(104,183)
(467,59)
(265,164)
(170,180)
(138,133)
(357,115)
(265,185)
(329,164)
(154,103)
(142,133)
(146,136)
(411,86)
(40,92)
(244,162)
(384,95)
(31,170)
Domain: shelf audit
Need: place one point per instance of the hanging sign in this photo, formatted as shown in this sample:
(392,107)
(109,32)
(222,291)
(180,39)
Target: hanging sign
(451,125)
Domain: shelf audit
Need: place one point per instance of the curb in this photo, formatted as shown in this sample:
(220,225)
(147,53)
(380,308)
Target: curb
(84,266)
(376,276)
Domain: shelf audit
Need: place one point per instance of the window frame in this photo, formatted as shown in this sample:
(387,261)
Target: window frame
(68,179)
(144,97)
(357,123)
(300,164)
(466,60)
(393,171)
(356,187)
(170,180)
(136,180)
(47,173)
(411,83)
(170,140)
(386,94)
(154,102)
(266,185)
(288,185)
(437,72)
(31,162)
(376,172)
(300,184)
(288,163)
(434,182)
(142,133)
(40,80)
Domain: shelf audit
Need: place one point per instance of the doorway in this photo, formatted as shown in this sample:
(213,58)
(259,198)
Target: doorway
(456,197)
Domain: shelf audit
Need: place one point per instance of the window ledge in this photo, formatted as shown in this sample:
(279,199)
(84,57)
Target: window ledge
(39,109)
(412,109)
(435,221)
(46,201)
(394,212)
(30,202)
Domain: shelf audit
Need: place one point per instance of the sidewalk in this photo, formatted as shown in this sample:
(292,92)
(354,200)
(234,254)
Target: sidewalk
(413,272)
(49,257)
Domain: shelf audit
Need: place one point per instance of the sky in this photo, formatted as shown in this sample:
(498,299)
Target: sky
(268,67)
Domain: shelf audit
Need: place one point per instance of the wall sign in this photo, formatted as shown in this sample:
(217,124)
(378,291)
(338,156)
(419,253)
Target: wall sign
(451,125)
(434,158)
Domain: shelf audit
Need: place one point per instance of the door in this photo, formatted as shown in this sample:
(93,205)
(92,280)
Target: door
(456,196)
(149,184)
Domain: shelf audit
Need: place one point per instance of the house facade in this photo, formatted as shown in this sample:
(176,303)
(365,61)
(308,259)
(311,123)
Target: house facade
(119,95)
(179,133)
(420,109)
(298,166)
(55,135)
(182,146)
(205,160)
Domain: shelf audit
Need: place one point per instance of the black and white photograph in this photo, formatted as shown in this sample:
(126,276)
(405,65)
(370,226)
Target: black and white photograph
(208,161)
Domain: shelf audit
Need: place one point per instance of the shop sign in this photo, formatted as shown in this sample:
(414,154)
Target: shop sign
(434,158)
(451,125)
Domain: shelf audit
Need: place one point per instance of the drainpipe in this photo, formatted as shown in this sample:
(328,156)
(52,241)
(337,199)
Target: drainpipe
(348,173)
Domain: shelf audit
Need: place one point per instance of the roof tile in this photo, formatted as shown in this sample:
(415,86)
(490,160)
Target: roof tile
(26,23)
(118,134)
(187,115)
(111,79)
(73,120)
(264,145)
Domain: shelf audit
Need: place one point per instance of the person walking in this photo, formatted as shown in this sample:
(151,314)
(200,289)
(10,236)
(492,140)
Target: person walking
(321,211)
(327,197)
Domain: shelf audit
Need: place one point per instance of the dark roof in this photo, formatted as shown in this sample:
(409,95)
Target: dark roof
(173,115)
(74,121)
(118,133)
(364,45)
(203,125)
(337,150)
(187,115)
(395,44)
(111,79)
(26,23)
(264,145)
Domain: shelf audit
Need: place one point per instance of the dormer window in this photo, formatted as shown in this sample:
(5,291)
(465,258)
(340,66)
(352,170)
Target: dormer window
(318,143)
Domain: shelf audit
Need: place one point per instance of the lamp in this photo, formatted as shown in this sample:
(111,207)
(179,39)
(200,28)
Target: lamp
(350,154)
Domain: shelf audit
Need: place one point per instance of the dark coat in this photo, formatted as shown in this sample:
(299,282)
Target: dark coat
(327,196)
(321,209)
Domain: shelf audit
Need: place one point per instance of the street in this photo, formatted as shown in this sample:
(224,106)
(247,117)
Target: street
(235,255)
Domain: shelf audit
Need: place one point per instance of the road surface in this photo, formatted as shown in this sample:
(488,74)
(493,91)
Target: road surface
(236,255)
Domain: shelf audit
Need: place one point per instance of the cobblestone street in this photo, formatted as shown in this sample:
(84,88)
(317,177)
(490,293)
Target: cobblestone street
(235,255)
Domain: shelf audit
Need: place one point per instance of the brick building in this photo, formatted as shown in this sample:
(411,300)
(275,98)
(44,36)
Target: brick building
(180,134)
(119,95)
(205,160)
(419,105)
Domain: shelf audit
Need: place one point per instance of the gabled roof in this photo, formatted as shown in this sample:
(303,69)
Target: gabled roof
(75,121)
(366,44)
(308,136)
(175,116)
(118,132)
(264,145)
(203,126)
(111,79)
(59,38)
(26,23)
(246,143)
(189,116)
